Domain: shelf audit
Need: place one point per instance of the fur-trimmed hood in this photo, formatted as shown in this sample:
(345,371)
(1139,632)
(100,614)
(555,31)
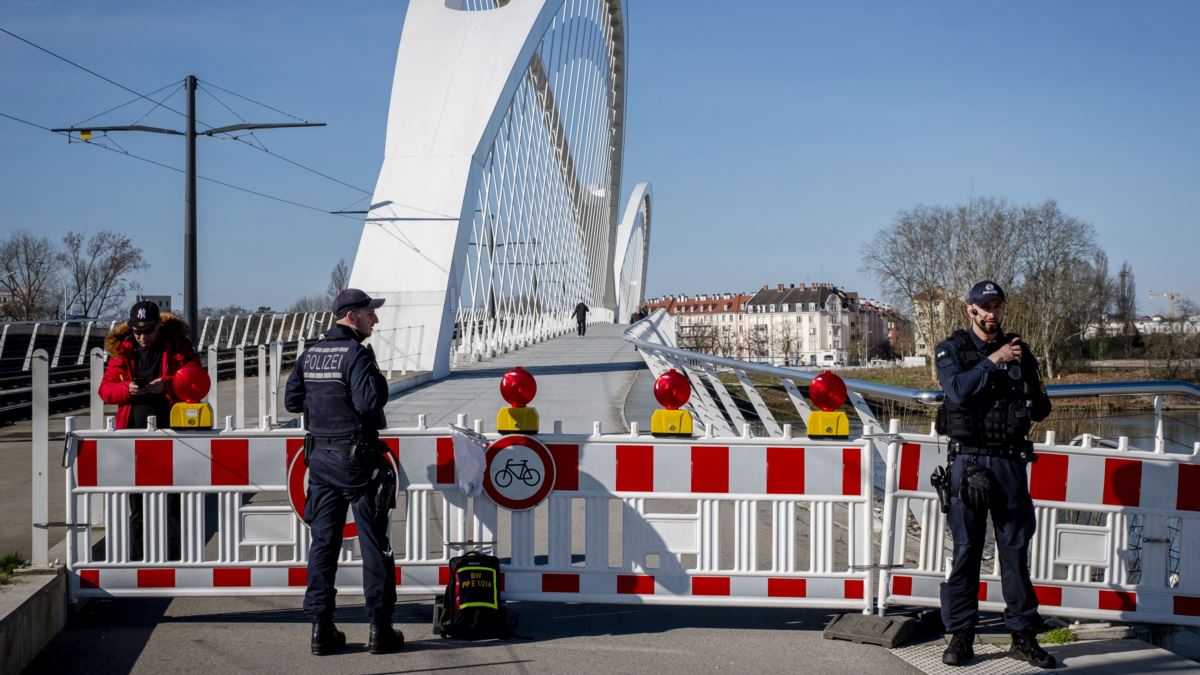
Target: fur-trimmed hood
(173,336)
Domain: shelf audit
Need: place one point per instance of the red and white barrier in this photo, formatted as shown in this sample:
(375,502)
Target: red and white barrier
(626,519)
(1131,558)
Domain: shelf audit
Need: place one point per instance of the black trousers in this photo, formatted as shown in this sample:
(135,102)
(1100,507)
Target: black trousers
(1013,526)
(136,502)
(336,482)
(581,326)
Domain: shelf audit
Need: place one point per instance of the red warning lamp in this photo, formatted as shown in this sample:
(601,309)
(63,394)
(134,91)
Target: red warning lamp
(672,389)
(827,391)
(518,387)
(191,383)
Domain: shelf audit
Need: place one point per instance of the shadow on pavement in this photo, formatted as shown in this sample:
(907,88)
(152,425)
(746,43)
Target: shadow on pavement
(118,629)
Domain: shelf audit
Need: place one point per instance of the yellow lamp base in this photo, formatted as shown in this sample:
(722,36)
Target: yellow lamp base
(671,423)
(821,423)
(191,416)
(517,420)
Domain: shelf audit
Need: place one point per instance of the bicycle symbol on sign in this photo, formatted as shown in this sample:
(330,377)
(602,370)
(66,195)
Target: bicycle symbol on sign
(517,470)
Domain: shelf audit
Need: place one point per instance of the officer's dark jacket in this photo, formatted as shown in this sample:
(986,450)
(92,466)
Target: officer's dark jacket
(982,402)
(337,385)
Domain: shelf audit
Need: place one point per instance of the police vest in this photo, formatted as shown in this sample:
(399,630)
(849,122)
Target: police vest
(328,401)
(996,417)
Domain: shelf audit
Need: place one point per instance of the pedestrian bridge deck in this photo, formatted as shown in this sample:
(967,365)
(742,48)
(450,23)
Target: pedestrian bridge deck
(580,380)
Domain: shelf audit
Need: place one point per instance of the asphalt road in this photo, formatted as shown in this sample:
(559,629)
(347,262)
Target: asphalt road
(219,635)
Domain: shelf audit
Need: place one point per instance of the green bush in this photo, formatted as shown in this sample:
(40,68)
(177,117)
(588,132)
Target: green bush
(9,563)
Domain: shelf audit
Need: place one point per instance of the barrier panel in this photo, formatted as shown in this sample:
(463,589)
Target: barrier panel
(1116,536)
(610,518)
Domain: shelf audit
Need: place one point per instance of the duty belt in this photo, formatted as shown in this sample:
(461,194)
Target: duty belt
(958,448)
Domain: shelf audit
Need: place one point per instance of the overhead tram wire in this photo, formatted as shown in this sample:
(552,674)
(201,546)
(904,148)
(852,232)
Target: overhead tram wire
(178,170)
(210,126)
(263,148)
(94,73)
(178,85)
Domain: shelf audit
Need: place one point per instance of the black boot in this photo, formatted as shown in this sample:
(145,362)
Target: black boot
(326,638)
(1025,648)
(383,639)
(960,651)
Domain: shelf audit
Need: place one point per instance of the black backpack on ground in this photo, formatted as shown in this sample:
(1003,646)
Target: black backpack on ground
(471,607)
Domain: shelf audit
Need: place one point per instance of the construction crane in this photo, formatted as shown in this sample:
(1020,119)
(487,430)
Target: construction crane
(1171,297)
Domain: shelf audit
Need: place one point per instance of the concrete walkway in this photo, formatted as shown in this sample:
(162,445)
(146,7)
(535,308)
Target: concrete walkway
(580,380)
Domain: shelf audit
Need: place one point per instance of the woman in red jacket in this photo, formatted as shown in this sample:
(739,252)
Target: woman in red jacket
(144,355)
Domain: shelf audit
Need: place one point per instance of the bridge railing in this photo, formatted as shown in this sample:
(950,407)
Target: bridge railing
(731,394)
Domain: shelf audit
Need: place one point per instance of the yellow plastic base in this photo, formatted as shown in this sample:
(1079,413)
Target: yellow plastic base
(821,423)
(517,420)
(671,423)
(191,416)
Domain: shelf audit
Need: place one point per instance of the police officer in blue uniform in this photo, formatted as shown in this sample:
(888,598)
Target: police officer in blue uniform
(337,385)
(993,394)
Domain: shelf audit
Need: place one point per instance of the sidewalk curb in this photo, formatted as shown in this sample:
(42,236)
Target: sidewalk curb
(33,609)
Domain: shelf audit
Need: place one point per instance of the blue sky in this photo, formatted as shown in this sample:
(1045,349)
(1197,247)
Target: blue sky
(779,137)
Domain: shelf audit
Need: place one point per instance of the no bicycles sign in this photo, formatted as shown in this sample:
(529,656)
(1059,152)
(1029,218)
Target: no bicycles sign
(520,472)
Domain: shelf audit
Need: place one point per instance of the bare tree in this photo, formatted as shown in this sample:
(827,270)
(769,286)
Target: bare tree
(698,336)
(310,303)
(339,278)
(727,342)
(29,277)
(1179,346)
(759,342)
(1058,282)
(788,344)
(1126,303)
(1047,262)
(96,271)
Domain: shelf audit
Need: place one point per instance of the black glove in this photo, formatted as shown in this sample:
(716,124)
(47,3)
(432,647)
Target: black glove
(976,488)
(385,487)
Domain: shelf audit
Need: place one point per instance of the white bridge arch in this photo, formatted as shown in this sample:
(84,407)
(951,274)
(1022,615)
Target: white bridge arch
(496,208)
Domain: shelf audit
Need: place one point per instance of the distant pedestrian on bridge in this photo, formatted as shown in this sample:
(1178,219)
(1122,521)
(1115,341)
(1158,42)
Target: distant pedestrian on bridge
(145,353)
(581,311)
(993,395)
(337,385)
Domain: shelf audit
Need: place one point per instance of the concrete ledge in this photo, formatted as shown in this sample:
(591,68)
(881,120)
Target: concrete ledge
(409,381)
(33,609)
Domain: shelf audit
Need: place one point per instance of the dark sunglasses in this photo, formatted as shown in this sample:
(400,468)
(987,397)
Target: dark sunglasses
(145,331)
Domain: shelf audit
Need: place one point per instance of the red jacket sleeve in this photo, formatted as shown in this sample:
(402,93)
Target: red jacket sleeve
(114,387)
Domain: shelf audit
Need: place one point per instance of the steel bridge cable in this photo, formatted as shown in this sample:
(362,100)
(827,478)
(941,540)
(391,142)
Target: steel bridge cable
(178,170)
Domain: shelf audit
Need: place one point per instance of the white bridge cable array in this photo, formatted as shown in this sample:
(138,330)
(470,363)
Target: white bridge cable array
(510,115)
(542,224)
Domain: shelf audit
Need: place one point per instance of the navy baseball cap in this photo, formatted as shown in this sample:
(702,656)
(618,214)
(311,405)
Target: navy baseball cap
(984,292)
(143,315)
(352,298)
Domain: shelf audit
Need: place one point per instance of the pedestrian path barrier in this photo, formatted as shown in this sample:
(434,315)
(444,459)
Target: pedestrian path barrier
(1116,536)
(621,518)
